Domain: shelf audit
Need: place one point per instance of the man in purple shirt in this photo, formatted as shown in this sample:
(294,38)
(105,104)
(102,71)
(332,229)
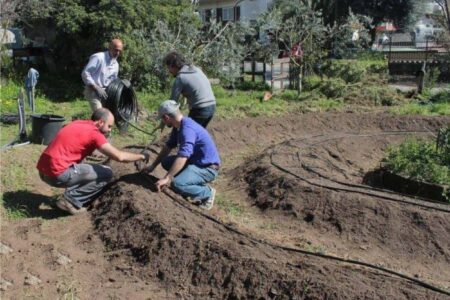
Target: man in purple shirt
(197,161)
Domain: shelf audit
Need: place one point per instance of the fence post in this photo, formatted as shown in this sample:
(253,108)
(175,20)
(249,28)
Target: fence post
(253,68)
(264,71)
(271,75)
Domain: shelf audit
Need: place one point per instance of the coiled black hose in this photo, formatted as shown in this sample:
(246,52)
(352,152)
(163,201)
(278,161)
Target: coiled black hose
(121,102)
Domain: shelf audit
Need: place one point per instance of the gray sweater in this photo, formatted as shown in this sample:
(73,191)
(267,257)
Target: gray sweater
(193,84)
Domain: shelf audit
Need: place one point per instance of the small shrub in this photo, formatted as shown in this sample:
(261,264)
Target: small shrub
(441,97)
(432,78)
(333,88)
(311,83)
(250,85)
(419,160)
(348,70)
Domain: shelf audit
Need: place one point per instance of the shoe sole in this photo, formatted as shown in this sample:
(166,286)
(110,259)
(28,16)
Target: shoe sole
(71,210)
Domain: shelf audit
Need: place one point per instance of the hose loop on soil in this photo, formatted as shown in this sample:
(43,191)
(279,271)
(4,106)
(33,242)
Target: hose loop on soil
(306,252)
(350,185)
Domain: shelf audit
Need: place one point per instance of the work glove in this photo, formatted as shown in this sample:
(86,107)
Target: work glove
(141,164)
(101,93)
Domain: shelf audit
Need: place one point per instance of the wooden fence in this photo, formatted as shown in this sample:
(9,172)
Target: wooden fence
(278,74)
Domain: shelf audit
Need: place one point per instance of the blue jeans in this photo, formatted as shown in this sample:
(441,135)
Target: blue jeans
(192,180)
(83,182)
(202,115)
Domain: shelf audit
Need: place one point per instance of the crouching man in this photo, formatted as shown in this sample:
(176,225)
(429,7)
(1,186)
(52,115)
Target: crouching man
(60,163)
(197,161)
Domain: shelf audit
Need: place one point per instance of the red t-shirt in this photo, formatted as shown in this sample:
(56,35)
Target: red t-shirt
(71,145)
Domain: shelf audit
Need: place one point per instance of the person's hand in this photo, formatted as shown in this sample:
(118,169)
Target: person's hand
(101,93)
(140,164)
(146,154)
(162,182)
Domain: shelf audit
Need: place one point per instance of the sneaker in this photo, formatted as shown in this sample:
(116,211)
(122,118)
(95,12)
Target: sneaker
(65,205)
(208,204)
(194,201)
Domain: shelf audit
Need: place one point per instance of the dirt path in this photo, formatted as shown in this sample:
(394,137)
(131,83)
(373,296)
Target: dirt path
(138,244)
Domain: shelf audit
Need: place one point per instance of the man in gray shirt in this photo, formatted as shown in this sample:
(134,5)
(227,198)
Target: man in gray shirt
(193,84)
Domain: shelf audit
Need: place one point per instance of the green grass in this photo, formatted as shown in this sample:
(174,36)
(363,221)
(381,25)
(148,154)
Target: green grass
(229,207)
(15,212)
(430,109)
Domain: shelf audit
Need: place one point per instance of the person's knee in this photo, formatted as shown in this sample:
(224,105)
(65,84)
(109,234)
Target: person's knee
(106,174)
(109,174)
(177,185)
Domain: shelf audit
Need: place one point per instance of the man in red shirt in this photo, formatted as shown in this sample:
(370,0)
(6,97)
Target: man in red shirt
(60,163)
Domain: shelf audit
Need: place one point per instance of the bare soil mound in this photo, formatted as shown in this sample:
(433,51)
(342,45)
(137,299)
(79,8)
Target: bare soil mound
(303,180)
(317,185)
(168,240)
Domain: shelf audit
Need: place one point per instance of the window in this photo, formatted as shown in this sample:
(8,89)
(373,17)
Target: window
(227,14)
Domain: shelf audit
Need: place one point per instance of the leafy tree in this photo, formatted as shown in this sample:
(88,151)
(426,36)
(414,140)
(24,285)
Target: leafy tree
(444,19)
(293,22)
(75,29)
(218,48)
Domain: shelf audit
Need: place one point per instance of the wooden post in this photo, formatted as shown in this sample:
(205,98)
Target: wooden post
(271,75)
(281,76)
(253,68)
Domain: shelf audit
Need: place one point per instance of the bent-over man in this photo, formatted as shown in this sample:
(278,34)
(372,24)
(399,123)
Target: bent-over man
(193,84)
(60,163)
(197,161)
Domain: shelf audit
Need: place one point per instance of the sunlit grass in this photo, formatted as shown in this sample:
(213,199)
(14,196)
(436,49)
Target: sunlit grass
(436,109)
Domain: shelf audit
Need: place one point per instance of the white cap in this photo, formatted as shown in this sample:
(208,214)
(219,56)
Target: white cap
(168,107)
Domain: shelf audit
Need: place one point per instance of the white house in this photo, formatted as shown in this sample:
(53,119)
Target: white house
(232,10)
(426,27)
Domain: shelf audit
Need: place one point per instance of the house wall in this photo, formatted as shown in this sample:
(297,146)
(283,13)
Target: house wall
(248,9)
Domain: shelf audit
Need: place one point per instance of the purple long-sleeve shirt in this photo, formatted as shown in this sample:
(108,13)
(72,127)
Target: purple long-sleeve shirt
(195,143)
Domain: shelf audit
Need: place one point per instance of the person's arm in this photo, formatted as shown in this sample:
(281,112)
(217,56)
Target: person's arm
(177,166)
(120,156)
(88,70)
(163,153)
(176,89)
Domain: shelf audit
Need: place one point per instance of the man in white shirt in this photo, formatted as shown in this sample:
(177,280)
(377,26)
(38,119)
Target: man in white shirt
(100,71)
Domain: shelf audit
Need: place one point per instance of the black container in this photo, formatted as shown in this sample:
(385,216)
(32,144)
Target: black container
(44,128)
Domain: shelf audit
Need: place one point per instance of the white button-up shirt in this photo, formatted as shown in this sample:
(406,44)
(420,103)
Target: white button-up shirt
(100,70)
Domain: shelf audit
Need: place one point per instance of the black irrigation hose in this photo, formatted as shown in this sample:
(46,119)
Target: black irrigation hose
(121,102)
(326,256)
(356,185)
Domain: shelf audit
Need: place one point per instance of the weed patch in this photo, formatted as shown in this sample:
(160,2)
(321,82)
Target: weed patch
(229,207)
(419,160)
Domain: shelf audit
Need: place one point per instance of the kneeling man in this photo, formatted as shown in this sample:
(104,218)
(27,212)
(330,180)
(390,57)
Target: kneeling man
(197,161)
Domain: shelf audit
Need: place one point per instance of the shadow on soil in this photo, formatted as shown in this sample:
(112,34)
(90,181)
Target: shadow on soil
(31,205)
(147,181)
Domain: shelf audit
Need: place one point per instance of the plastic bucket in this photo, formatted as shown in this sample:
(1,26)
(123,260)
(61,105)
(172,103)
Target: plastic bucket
(44,128)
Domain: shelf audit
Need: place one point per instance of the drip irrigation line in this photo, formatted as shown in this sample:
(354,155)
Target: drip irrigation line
(284,170)
(369,188)
(306,252)
(308,168)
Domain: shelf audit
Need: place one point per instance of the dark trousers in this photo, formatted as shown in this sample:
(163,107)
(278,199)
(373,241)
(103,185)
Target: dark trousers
(202,115)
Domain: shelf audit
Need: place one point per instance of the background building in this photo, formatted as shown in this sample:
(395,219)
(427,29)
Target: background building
(232,10)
